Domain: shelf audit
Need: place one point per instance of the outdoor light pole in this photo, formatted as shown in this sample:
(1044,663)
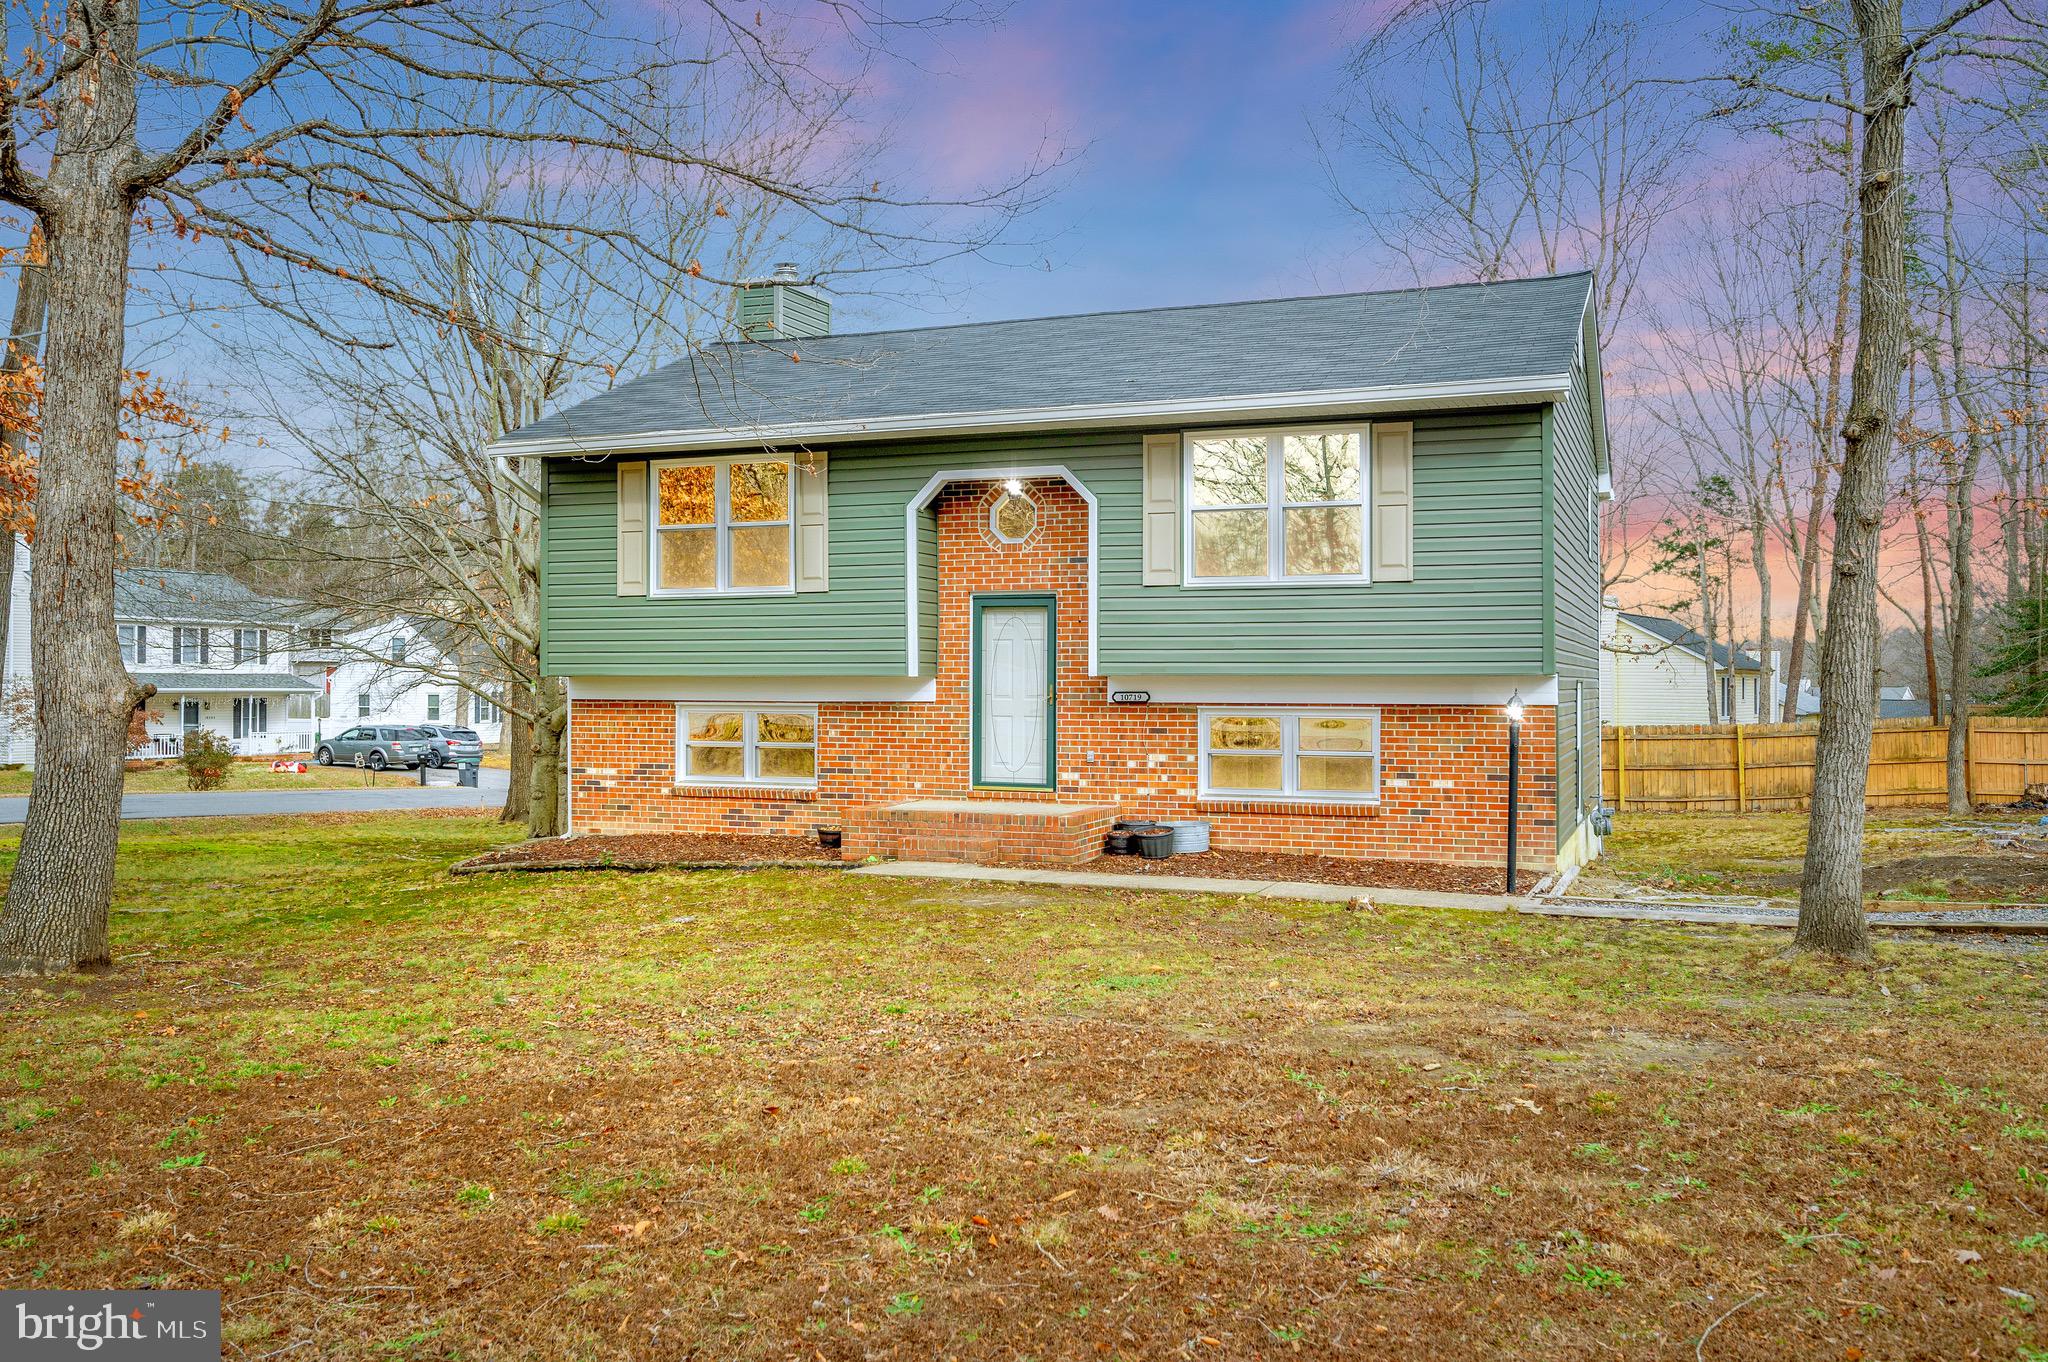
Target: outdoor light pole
(1514,713)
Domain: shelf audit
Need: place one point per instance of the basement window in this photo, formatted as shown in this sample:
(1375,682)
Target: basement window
(1316,757)
(747,745)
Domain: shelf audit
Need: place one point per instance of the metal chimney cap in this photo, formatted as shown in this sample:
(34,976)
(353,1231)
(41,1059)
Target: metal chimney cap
(785,272)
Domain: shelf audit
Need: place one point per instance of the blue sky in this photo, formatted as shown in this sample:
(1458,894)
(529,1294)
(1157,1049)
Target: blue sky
(1195,178)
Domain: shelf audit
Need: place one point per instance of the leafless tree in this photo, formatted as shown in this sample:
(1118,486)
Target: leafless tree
(259,135)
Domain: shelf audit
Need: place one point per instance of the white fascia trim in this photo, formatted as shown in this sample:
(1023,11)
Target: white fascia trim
(936,484)
(1169,411)
(792,690)
(1338,690)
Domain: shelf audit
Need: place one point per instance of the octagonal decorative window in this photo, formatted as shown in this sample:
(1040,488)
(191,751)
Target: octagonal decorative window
(1013,517)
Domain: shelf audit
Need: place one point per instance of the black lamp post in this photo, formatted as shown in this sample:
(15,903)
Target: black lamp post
(1514,713)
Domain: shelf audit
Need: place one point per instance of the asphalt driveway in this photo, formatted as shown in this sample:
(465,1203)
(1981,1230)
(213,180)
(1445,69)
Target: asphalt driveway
(489,793)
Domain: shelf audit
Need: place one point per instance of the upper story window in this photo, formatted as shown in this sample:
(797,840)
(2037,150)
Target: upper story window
(319,638)
(252,645)
(188,644)
(398,646)
(1276,506)
(134,644)
(363,704)
(433,707)
(722,525)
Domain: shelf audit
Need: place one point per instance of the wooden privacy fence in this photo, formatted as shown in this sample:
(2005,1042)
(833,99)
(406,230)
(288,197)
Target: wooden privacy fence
(1732,768)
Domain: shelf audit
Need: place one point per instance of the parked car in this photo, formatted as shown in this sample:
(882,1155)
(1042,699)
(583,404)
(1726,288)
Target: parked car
(381,746)
(453,746)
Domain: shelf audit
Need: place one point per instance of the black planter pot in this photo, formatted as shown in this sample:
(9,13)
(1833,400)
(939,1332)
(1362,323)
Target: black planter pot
(828,838)
(1154,843)
(1118,843)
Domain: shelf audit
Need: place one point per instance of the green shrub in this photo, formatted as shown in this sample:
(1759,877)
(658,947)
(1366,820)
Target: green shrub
(208,759)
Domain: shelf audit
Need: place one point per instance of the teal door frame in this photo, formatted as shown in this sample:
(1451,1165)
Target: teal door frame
(1052,676)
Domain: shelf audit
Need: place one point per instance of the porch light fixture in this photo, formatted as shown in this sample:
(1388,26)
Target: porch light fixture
(1513,710)
(1013,486)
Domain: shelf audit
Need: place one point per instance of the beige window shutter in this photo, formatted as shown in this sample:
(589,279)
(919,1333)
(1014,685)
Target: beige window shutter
(633,528)
(813,539)
(1162,511)
(1393,501)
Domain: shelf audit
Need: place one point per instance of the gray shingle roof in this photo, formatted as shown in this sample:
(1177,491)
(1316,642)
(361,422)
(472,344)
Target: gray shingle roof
(171,682)
(212,597)
(1680,636)
(1466,334)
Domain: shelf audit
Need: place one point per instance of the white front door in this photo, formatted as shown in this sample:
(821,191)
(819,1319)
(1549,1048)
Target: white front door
(1014,717)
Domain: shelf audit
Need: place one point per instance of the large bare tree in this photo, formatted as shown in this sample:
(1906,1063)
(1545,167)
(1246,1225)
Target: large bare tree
(258,135)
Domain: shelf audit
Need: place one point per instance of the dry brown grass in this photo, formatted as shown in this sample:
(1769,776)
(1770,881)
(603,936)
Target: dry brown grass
(774,1115)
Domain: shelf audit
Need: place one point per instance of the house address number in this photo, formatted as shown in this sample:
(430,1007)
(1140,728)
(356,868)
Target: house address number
(1130,697)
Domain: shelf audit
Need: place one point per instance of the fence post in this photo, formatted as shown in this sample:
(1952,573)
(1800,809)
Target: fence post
(1741,774)
(1620,769)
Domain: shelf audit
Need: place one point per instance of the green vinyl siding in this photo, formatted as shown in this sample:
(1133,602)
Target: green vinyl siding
(854,629)
(1478,604)
(1575,609)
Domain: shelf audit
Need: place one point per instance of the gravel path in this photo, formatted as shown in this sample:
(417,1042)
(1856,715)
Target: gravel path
(1765,915)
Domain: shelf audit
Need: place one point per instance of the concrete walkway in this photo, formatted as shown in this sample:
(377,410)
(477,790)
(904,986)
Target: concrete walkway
(382,798)
(2029,921)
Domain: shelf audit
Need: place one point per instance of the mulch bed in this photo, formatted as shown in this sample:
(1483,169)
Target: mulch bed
(655,851)
(1274,866)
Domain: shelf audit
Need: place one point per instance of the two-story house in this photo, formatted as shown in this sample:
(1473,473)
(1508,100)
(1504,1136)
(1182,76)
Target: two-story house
(403,670)
(220,656)
(978,590)
(1655,670)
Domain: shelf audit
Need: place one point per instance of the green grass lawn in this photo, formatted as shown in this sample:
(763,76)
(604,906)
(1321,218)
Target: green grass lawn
(395,1114)
(244,776)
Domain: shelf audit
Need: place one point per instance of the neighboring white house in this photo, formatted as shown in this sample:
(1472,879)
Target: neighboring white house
(1654,671)
(268,675)
(220,656)
(395,673)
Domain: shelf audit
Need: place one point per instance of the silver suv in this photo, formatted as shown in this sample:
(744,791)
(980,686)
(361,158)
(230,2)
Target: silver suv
(452,746)
(378,747)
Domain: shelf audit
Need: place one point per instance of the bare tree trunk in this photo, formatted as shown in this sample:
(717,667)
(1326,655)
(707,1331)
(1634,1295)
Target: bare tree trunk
(544,813)
(1706,583)
(1962,513)
(1831,916)
(56,914)
(1824,435)
(519,760)
(1926,548)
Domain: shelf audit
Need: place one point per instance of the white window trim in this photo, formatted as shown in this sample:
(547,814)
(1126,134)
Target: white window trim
(749,744)
(135,645)
(1275,506)
(722,525)
(1290,751)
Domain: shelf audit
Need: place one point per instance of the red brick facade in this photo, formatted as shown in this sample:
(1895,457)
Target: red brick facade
(1443,769)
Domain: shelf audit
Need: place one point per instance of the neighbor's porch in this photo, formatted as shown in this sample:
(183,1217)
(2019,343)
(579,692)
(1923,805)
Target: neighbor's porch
(259,716)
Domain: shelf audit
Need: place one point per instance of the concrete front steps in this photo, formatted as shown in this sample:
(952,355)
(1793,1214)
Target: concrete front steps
(964,831)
